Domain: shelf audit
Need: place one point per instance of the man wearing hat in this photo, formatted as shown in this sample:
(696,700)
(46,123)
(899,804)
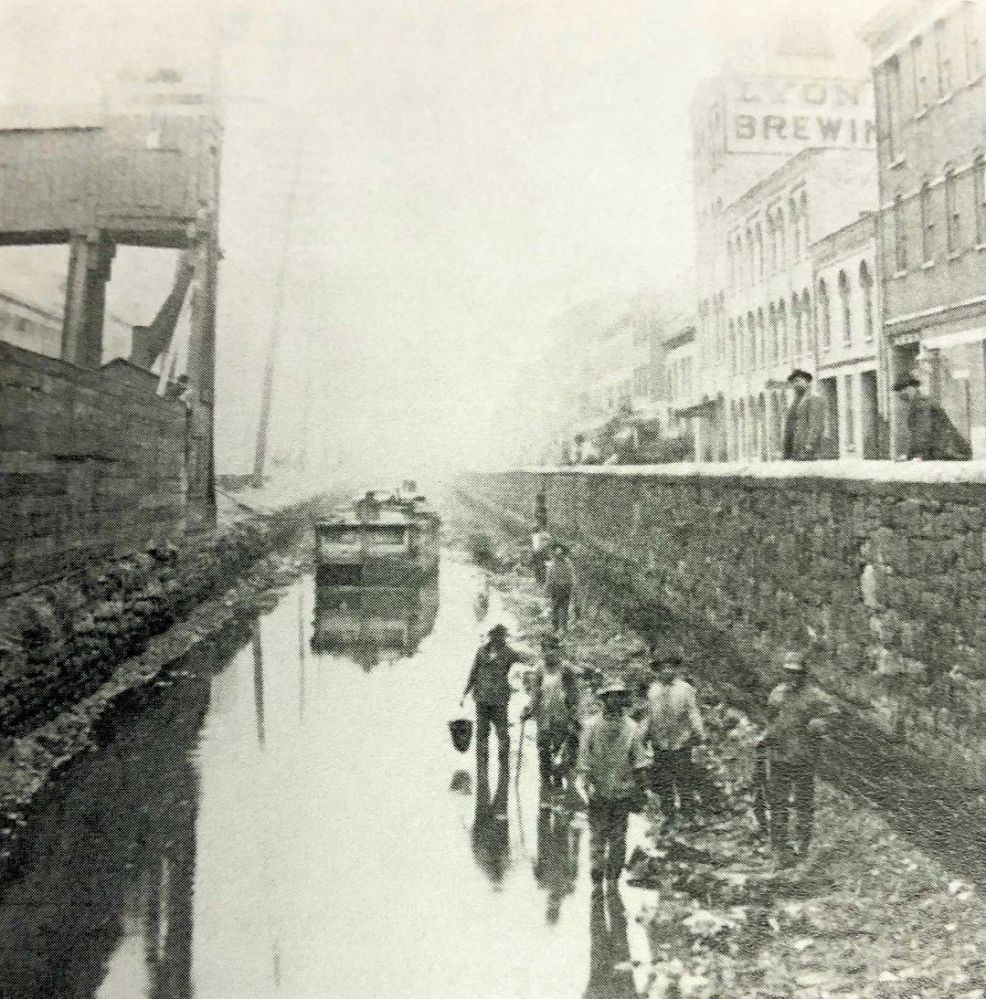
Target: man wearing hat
(555,706)
(674,726)
(798,716)
(489,682)
(804,426)
(612,771)
(931,435)
(559,585)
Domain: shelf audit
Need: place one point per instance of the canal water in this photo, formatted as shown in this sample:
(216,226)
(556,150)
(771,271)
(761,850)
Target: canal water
(287,817)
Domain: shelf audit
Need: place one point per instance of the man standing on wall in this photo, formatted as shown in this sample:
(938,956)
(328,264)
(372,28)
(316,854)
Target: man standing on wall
(673,726)
(489,682)
(798,714)
(931,435)
(804,427)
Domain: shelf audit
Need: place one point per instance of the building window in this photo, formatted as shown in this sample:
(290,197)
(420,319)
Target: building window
(740,345)
(900,236)
(943,60)
(732,346)
(866,283)
(979,196)
(803,212)
(953,219)
(824,315)
(751,257)
(782,328)
(807,317)
(774,342)
(781,240)
(795,234)
(920,77)
(796,323)
(762,337)
(891,83)
(771,244)
(845,298)
(732,263)
(758,235)
(927,225)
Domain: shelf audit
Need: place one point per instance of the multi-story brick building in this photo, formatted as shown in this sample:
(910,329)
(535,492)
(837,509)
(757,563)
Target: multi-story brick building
(931,113)
(849,362)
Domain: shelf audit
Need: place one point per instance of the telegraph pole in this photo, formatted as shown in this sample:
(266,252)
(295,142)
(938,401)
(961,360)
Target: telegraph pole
(267,390)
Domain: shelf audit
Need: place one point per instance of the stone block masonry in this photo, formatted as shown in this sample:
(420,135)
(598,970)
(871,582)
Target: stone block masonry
(878,568)
(91,465)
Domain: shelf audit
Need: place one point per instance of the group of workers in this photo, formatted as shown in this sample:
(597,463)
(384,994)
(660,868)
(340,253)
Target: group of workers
(611,760)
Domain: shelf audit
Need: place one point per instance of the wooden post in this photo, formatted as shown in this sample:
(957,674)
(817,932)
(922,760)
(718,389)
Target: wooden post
(90,263)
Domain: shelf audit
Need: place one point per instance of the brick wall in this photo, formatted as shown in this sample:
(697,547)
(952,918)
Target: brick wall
(91,465)
(878,568)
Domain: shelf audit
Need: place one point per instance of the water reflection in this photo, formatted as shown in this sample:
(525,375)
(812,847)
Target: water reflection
(491,827)
(610,971)
(557,865)
(373,624)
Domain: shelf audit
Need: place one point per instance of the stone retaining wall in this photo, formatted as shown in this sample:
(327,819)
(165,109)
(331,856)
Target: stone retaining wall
(879,569)
(91,465)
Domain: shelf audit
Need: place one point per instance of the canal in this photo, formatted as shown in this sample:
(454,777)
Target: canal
(285,816)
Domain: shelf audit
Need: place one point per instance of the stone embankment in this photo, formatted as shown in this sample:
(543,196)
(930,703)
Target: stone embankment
(71,651)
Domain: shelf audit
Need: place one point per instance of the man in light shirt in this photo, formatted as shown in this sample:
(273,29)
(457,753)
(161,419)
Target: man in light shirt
(674,726)
(555,706)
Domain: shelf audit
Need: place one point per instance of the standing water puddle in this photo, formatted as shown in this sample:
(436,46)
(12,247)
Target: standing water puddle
(289,819)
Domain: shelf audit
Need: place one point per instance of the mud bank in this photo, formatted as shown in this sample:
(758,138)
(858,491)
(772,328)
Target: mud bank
(100,654)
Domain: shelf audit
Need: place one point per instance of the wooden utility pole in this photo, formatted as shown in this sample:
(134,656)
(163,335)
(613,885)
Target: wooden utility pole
(267,390)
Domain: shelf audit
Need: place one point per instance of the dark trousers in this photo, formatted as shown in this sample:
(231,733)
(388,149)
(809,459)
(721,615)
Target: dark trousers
(539,561)
(556,743)
(791,783)
(608,820)
(561,600)
(495,715)
(673,775)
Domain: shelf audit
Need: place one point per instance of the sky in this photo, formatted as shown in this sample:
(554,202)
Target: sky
(463,171)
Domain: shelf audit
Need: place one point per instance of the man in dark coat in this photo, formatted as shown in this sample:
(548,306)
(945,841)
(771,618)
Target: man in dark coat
(489,682)
(931,435)
(804,427)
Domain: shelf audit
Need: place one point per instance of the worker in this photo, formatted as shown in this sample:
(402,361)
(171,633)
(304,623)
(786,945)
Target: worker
(559,585)
(611,774)
(804,426)
(489,683)
(555,707)
(798,716)
(674,727)
(540,552)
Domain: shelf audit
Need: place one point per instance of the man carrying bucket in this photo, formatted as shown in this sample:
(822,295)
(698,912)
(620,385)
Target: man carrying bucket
(489,683)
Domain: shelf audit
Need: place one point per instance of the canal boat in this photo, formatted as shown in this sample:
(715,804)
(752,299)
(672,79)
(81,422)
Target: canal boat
(382,538)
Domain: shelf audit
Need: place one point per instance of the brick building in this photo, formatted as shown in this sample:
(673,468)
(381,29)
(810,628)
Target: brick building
(928,69)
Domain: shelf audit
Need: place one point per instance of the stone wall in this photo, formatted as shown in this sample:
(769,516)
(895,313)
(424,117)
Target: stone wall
(91,465)
(879,569)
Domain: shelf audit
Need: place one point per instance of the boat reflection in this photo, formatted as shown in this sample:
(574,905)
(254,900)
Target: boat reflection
(373,624)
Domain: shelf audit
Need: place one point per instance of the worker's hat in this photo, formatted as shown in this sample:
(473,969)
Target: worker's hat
(907,381)
(794,662)
(499,629)
(613,688)
(800,373)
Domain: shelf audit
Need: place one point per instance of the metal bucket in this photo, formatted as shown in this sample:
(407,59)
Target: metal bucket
(461,731)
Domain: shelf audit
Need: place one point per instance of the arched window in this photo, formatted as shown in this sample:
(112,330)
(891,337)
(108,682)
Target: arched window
(762,336)
(803,213)
(808,323)
(731,256)
(796,324)
(758,236)
(751,336)
(845,299)
(738,355)
(782,328)
(979,197)
(732,346)
(866,283)
(771,245)
(927,225)
(953,219)
(751,256)
(795,230)
(741,448)
(781,240)
(824,315)
(774,345)
(762,427)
